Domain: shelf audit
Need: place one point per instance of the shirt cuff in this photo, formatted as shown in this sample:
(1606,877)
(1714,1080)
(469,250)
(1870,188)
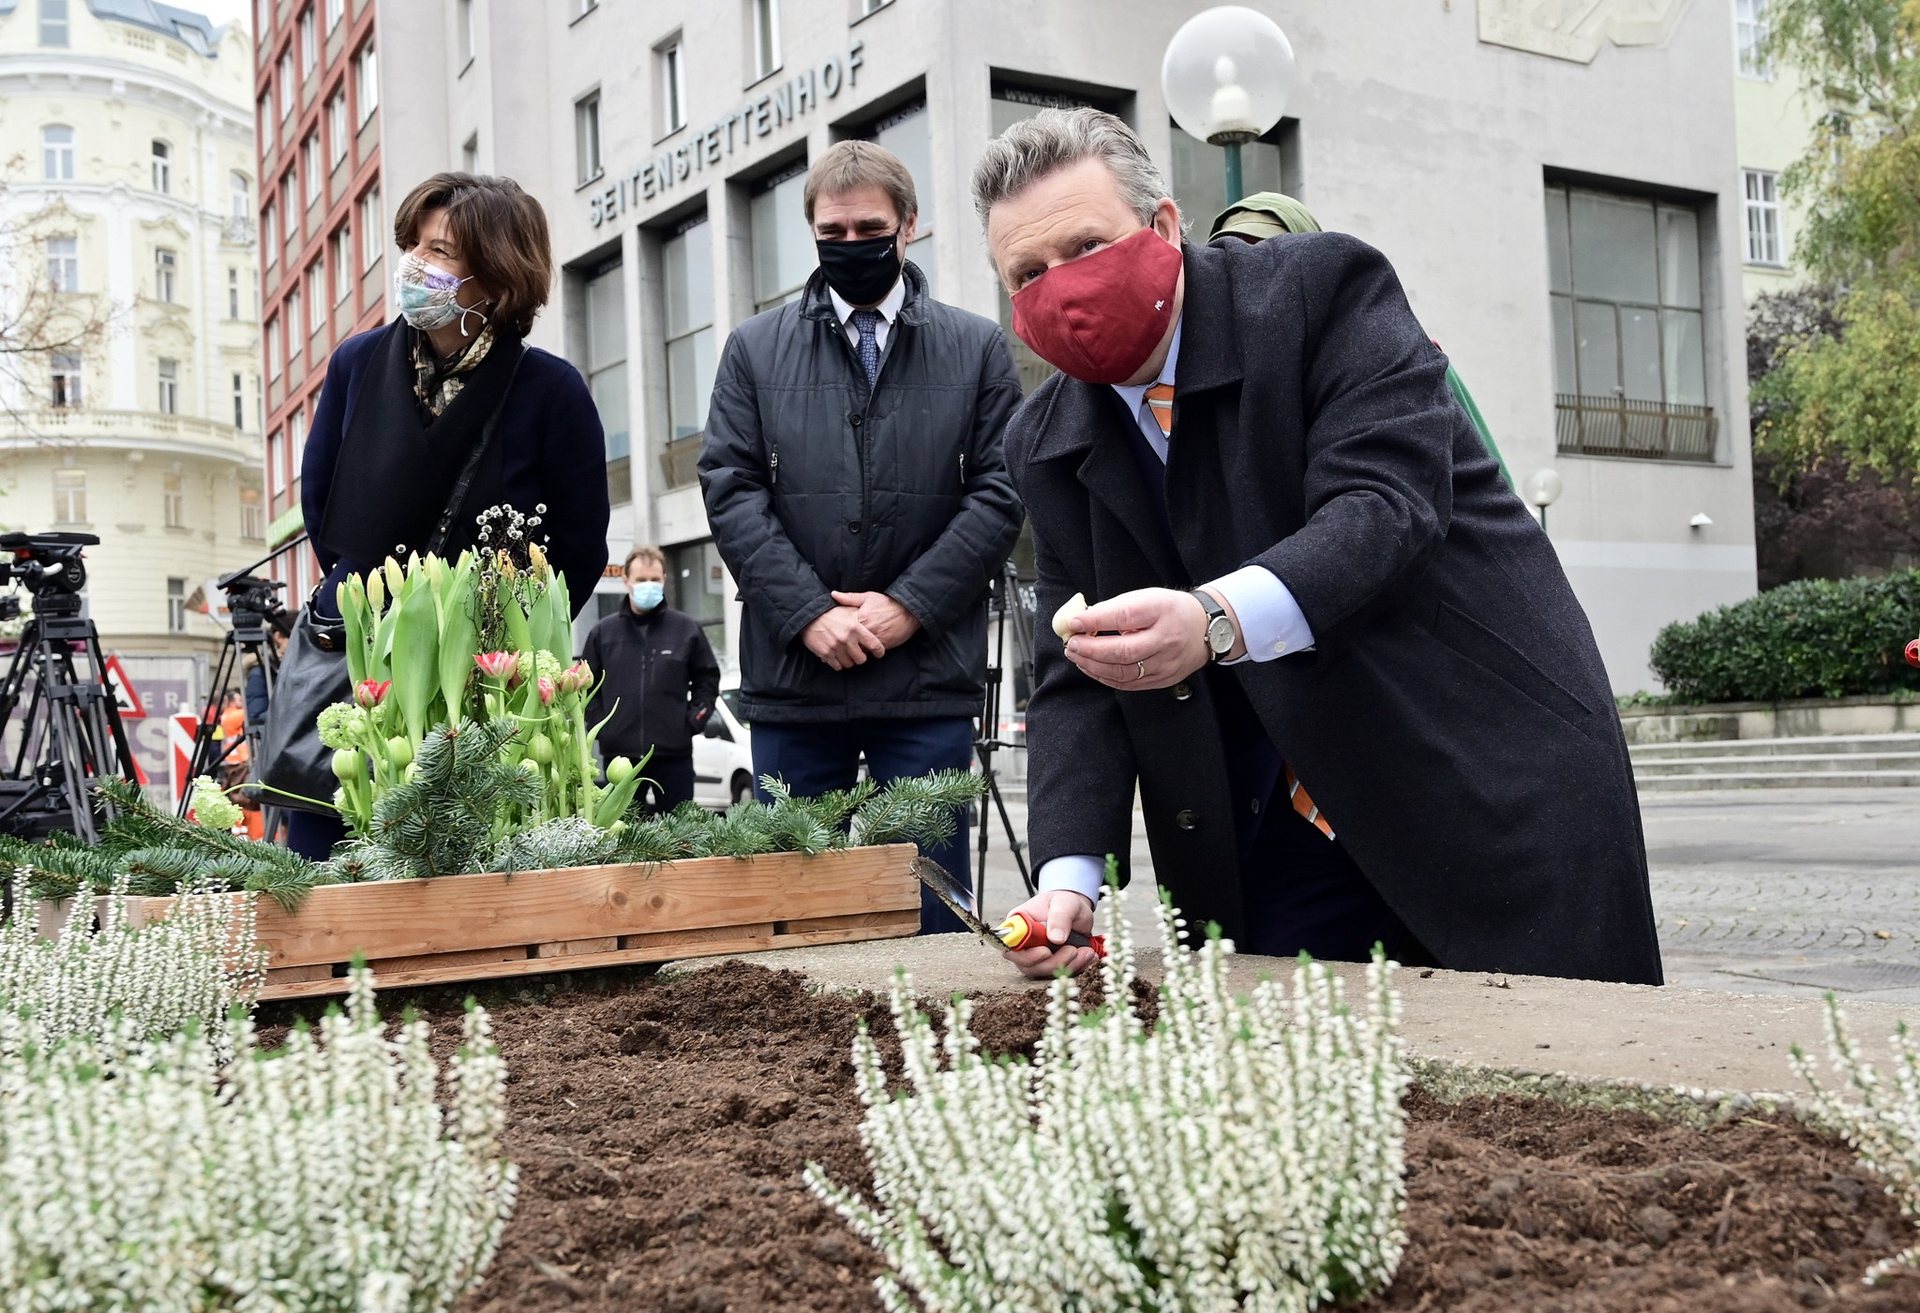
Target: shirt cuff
(1081,873)
(1271,621)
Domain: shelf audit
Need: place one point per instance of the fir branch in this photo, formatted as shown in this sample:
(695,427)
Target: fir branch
(918,809)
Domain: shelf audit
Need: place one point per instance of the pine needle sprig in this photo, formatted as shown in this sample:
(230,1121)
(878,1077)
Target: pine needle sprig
(918,809)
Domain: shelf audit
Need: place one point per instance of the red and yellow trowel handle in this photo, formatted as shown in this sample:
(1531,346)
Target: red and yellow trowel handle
(1020,930)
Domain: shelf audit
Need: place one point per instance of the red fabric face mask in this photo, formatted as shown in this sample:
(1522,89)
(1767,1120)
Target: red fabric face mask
(1099,318)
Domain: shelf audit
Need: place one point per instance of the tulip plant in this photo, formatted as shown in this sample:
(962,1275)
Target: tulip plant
(483,638)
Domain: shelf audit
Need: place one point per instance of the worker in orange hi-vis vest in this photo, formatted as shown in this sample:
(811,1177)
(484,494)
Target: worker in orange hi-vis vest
(234,761)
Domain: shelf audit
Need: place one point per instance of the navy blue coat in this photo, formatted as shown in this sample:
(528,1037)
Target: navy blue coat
(553,453)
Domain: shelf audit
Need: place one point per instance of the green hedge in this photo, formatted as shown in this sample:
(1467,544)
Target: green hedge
(1814,638)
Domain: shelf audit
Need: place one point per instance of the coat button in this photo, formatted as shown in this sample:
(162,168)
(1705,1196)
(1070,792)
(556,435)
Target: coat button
(855,420)
(853,526)
(1181,692)
(1186,820)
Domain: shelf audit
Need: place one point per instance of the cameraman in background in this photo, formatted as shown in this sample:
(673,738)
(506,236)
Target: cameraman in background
(660,682)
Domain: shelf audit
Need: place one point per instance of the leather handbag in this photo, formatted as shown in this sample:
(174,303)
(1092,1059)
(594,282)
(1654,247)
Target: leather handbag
(294,769)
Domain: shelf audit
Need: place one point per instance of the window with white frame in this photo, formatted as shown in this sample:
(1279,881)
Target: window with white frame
(295,321)
(1763,218)
(262,19)
(273,348)
(283,75)
(270,235)
(464,17)
(54,29)
(673,88)
(337,127)
(586,137)
(336,10)
(317,295)
(276,464)
(63,264)
(169,398)
(166,264)
(366,75)
(253,516)
(162,167)
(315,174)
(1751,30)
(264,115)
(296,443)
(766,36)
(290,204)
(240,196)
(372,229)
(233,292)
(70,496)
(240,402)
(173,500)
(687,260)
(56,152)
(309,47)
(342,263)
(65,370)
(176,605)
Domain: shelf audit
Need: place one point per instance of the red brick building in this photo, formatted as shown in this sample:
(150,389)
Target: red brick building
(324,228)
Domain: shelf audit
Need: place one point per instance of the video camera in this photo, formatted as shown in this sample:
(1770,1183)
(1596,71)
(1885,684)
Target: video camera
(254,603)
(48,564)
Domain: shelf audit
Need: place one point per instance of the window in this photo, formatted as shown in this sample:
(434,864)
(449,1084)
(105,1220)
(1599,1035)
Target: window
(873,6)
(290,203)
(372,242)
(1763,218)
(309,49)
(296,443)
(240,402)
(607,362)
(262,19)
(907,135)
(470,154)
(63,263)
(165,264)
(336,10)
(581,8)
(176,606)
(162,168)
(270,235)
(173,501)
(1751,29)
(366,77)
(766,37)
(688,261)
(1629,328)
(314,173)
(673,89)
(276,455)
(284,76)
(56,152)
(586,138)
(294,320)
(337,127)
(233,292)
(317,296)
(253,515)
(240,194)
(783,248)
(264,114)
(66,380)
(273,348)
(53,23)
(464,16)
(342,263)
(169,386)
(70,496)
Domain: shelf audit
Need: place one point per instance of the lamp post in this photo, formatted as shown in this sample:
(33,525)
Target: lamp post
(1543,490)
(1226,77)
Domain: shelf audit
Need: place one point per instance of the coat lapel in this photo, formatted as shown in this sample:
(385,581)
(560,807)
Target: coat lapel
(1113,480)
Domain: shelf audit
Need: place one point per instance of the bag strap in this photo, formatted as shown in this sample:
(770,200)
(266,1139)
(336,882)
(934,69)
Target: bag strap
(472,467)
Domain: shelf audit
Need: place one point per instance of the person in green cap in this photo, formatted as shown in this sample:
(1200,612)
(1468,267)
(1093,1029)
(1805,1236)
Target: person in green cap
(1269,214)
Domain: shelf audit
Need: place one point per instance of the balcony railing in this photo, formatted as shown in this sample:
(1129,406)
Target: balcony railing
(81,424)
(1619,426)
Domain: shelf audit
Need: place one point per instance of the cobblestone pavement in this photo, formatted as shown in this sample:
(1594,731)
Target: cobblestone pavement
(1766,891)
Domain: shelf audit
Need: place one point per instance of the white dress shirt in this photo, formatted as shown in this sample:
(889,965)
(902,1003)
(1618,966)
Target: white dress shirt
(889,309)
(1271,622)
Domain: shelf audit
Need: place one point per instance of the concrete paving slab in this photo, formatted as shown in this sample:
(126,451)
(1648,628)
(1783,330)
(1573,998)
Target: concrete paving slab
(1664,1037)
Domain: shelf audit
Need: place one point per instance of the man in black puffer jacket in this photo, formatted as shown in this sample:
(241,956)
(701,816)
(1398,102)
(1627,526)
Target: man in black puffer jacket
(855,483)
(660,684)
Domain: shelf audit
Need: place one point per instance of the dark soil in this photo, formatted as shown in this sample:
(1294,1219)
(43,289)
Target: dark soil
(661,1126)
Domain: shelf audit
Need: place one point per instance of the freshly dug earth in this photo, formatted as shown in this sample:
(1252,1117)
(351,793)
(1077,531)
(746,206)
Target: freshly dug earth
(661,1125)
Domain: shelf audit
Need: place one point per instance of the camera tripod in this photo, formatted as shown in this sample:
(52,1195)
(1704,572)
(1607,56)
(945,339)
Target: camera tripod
(1012,602)
(72,733)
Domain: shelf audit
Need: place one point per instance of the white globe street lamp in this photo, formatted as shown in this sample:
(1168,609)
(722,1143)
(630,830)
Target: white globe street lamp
(1227,74)
(1543,489)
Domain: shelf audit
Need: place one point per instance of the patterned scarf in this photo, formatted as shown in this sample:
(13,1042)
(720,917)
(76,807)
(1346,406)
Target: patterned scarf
(435,384)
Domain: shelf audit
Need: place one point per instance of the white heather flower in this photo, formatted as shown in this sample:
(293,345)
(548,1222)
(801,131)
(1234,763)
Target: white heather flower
(1242,1154)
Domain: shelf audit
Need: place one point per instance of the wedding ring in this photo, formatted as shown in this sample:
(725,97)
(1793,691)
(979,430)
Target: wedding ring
(1143,670)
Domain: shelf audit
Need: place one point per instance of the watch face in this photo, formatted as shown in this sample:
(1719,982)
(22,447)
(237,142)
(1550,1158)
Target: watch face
(1220,635)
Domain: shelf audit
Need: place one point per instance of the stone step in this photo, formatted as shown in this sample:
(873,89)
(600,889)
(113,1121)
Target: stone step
(1906,779)
(1855,763)
(1824,745)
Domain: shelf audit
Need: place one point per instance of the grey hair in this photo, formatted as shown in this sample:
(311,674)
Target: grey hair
(1054,139)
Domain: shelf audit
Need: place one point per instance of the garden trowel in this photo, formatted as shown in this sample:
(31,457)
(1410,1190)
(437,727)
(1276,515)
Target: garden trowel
(1018,931)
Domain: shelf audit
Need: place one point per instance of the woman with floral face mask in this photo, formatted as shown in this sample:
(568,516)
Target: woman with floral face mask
(445,411)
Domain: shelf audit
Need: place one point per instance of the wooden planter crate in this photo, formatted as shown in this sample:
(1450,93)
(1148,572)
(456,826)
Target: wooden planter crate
(479,927)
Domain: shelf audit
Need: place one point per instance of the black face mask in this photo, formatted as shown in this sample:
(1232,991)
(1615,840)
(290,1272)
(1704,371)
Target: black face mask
(862,271)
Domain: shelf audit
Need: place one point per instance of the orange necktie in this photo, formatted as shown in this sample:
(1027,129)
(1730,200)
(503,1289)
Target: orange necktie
(1160,406)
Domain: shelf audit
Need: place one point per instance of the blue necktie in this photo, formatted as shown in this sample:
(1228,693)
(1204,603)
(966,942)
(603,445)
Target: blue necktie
(867,322)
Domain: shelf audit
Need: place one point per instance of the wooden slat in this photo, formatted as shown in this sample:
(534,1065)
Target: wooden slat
(297,975)
(574,947)
(893,925)
(478,957)
(672,943)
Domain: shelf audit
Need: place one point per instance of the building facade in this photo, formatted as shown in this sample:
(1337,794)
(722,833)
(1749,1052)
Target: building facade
(1558,190)
(324,225)
(1776,112)
(129,241)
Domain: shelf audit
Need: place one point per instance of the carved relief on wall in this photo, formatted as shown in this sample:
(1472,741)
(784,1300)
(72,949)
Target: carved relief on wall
(1576,29)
